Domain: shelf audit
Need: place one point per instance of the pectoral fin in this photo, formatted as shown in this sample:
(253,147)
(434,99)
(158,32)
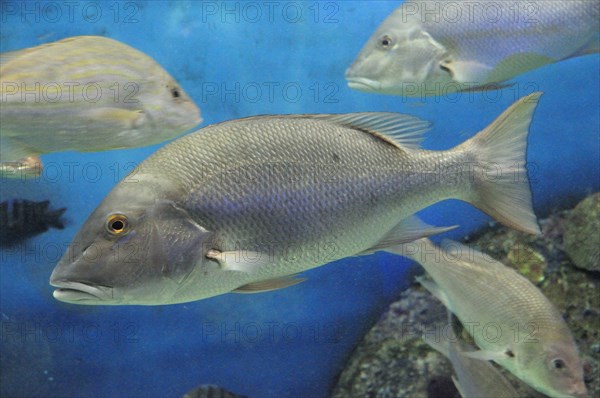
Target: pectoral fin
(124,118)
(486,355)
(468,71)
(269,285)
(240,260)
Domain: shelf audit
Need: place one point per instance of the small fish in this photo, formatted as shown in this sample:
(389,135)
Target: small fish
(244,205)
(85,93)
(474,378)
(434,47)
(23,219)
(211,391)
(511,321)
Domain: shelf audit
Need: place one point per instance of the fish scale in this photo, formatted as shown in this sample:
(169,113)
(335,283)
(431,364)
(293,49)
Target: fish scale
(259,218)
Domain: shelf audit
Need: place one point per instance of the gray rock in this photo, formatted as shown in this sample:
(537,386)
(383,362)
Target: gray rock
(582,234)
(393,361)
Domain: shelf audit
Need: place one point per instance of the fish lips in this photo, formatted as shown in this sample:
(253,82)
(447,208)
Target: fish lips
(362,83)
(579,391)
(80,292)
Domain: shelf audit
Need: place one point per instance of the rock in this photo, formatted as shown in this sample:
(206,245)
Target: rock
(393,361)
(582,234)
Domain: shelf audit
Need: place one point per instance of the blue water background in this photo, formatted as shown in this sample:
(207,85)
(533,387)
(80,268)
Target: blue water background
(288,343)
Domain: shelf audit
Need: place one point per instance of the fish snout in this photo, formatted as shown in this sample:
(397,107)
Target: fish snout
(72,277)
(579,390)
(357,82)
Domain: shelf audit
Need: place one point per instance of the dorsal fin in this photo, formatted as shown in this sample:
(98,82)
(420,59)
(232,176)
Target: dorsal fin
(397,129)
(5,58)
(402,131)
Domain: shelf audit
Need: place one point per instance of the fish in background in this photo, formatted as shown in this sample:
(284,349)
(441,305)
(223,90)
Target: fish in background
(85,93)
(23,219)
(511,321)
(211,391)
(435,47)
(244,205)
(474,378)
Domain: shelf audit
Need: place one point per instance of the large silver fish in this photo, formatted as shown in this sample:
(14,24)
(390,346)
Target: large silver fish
(435,47)
(85,93)
(511,321)
(242,205)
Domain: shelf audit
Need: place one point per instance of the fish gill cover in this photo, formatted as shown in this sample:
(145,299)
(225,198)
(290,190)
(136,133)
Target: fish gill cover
(237,59)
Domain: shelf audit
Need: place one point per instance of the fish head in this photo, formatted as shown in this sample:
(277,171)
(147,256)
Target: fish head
(555,369)
(179,112)
(137,247)
(400,59)
(168,109)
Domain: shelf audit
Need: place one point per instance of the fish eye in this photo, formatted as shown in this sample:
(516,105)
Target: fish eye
(175,92)
(117,224)
(558,363)
(386,42)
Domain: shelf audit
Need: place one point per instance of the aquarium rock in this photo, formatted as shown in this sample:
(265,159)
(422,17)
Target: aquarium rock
(582,234)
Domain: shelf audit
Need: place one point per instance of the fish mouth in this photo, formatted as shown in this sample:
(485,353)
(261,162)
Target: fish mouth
(579,391)
(362,83)
(79,292)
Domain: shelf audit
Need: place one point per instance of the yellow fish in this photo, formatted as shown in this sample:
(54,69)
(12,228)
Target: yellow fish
(85,93)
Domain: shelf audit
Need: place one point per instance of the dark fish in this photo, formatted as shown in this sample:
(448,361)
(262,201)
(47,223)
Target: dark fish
(23,219)
(211,391)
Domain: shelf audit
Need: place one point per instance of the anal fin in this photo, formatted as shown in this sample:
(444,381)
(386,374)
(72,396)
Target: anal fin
(269,285)
(486,355)
(435,290)
(407,230)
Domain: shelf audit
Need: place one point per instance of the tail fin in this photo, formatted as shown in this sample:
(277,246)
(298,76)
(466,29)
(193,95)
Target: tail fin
(501,186)
(54,220)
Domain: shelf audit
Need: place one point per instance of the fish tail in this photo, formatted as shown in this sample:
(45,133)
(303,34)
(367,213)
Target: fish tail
(500,184)
(54,220)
